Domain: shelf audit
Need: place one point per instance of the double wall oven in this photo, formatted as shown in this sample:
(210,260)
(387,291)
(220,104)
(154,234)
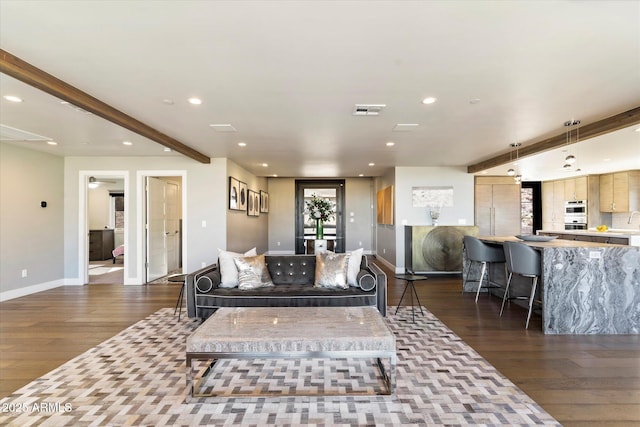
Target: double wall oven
(575,215)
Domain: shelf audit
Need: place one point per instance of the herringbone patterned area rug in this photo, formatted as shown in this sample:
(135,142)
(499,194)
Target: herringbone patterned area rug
(138,378)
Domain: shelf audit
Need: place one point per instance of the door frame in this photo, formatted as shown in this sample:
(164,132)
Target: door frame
(140,217)
(83,221)
(300,186)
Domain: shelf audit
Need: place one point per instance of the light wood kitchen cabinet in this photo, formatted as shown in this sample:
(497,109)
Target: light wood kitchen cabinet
(576,188)
(620,191)
(553,198)
(497,206)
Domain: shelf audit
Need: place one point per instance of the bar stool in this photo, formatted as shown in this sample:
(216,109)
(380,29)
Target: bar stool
(523,261)
(478,251)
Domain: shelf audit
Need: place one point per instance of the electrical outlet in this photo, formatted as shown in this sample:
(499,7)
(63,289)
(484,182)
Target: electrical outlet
(278,243)
(24,273)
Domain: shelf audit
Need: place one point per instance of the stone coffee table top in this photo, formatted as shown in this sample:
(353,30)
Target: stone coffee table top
(292,329)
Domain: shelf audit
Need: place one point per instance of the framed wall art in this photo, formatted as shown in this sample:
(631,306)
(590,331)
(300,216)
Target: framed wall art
(234,194)
(253,203)
(242,196)
(264,202)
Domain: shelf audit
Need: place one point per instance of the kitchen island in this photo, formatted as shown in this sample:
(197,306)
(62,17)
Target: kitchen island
(586,287)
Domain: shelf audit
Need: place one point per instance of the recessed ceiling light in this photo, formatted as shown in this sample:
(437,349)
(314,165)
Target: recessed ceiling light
(265,165)
(167,101)
(12,98)
(606,160)
(360,174)
(167,149)
(275,175)
(127,143)
(372,164)
(195,101)
(638,130)
(390,144)
(242,144)
(429,100)
(52,143)
(474,101)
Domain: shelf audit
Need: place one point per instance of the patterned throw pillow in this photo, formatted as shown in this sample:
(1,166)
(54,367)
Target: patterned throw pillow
(331,270)
(252,272)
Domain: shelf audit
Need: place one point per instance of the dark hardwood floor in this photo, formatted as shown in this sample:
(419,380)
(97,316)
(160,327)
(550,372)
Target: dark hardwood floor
(580,380)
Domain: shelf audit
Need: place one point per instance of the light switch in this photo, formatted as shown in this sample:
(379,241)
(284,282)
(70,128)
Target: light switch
(204,224)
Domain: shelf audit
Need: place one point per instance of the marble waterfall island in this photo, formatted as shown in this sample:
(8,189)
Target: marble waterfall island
(586,287)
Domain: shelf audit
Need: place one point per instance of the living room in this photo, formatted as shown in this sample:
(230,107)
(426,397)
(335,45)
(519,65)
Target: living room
(44,193)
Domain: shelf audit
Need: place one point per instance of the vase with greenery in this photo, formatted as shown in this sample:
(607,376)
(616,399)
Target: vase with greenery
(320,210)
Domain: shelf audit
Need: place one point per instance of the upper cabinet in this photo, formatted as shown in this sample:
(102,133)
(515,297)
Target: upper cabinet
(497,206)
(576,188)
(620,191)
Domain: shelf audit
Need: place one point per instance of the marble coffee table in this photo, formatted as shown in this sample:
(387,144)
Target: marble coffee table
(305,332)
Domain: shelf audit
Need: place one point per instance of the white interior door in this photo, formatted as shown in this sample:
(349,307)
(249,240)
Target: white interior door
(172,194)
(156,229)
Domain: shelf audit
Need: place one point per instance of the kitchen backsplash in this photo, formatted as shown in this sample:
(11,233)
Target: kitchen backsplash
(621,220)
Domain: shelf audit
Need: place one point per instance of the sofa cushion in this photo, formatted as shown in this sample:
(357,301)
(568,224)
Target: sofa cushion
(331,270)
(252,272)
(228,269)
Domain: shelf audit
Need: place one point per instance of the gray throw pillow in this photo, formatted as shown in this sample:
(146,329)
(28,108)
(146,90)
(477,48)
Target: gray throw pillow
(331,270)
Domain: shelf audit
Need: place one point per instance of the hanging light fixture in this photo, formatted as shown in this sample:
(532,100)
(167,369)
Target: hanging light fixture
(512,171)
(571,159)
(515,173)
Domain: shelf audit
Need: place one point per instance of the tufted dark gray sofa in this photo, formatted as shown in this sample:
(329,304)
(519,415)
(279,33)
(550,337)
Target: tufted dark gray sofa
(293,277)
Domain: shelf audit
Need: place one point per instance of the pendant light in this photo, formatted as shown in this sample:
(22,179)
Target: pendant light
(571,159)
(515,173)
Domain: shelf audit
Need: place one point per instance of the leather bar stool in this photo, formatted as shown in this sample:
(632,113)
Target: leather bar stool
(523,261)
(478,251)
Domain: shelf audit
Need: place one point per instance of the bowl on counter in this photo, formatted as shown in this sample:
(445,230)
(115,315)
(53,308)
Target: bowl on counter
(534,238)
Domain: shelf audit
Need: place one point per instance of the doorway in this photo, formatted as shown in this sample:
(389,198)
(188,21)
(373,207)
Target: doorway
(333,190)
(163,226)
(103,202)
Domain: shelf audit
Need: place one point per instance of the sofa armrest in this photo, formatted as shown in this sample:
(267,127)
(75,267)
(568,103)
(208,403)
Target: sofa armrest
(206,279)
(381,287)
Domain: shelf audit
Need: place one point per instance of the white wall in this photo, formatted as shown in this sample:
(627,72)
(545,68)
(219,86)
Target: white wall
(31,237)
(205,189)
(390,245)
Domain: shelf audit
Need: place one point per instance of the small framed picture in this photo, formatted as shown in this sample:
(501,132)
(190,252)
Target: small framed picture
(234,193)
(264,202)
(242,196)
(253,208)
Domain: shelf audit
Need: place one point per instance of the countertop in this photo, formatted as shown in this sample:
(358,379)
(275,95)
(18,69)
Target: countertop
(556,243)
(612,232)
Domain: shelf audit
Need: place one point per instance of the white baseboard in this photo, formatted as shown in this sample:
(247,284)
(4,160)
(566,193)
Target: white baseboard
(28,290)
(387,264)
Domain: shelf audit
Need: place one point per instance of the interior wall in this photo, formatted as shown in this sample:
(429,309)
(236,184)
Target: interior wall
(462,212)
(243,231)
(32,236)
(204,216)
(386,234)
(358,201)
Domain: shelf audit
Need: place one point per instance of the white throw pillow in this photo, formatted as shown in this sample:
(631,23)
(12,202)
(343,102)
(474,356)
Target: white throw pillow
(353,268)
(228,269)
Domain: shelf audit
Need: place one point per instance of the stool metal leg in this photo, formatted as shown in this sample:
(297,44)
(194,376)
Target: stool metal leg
(179,302)
(506,293)
(402,297)
(484,267)
(533,294)
(413,287)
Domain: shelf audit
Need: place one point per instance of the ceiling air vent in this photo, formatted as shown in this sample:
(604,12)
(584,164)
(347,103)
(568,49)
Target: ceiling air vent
(367,109)
(7,134)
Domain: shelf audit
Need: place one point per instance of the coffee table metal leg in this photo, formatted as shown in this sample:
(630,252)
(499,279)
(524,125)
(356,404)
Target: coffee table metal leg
(413,287)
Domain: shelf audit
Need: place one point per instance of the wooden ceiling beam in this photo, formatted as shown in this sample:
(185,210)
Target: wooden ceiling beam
(610,124)
(33,76)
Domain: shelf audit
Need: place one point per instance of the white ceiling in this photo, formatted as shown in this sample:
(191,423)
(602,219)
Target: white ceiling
(287,75)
